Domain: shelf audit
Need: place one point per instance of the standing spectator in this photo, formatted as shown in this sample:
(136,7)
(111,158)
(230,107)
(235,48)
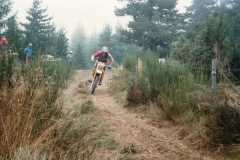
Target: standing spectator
(3,47)
(70,57)
(6,62)
(28,53)
(3,40)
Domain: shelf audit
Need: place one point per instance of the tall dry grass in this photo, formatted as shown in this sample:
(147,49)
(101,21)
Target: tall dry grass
(32,124)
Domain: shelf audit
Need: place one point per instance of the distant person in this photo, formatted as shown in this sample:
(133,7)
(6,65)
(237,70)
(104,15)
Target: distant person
(3,41)
(104,56)
(69,57)
(3,47)
(28,52)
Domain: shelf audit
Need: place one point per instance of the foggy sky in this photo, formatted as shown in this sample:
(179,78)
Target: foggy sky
(92,15)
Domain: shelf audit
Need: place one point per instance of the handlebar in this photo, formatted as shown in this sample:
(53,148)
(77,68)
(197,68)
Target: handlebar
(109,67)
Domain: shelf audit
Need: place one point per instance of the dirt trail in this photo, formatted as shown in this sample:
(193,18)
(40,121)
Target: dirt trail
(134,134)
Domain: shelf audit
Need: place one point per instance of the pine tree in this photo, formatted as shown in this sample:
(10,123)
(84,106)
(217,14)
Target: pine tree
(92,44)
(201,9)
(78,44)
(5,7)
(214,25)
(119,48)
(39,29)
(13,34)
(234,23)
(153,22)
(113,42)
(62,43)
(105,38)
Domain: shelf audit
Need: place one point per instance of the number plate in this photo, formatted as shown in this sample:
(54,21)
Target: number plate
(100,67)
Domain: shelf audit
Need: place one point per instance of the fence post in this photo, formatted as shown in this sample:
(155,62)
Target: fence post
(139,66)
(214,76)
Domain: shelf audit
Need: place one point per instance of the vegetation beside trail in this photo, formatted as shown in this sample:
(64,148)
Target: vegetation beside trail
(33,122)
(180,88)
(179,96)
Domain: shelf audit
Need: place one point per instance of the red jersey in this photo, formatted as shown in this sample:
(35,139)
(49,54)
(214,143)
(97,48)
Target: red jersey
(101,56)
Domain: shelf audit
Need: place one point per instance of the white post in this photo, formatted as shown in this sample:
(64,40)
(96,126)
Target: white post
(139,67)
(214,75)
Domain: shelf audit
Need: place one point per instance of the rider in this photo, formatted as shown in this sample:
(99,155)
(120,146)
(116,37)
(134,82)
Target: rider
(3,46)
(104,56)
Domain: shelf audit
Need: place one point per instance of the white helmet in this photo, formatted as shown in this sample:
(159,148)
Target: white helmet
(30,44)
(105,49)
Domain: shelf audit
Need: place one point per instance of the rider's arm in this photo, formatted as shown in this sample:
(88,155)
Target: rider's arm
(92,57)
(111,57)
(95,55)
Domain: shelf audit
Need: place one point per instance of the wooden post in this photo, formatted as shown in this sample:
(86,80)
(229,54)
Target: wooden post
(214,76)
(215,61)
(139,66)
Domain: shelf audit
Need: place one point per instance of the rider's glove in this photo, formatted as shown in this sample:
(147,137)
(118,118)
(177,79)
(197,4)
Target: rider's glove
(92,58)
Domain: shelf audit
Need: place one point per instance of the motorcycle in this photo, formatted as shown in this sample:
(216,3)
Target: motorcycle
(99,70)
(97,76)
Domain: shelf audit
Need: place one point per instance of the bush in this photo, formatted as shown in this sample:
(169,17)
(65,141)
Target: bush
(225,125)
(57,72)
(6,70)
(167,84)
(130,63)
(53,74)
(168,79)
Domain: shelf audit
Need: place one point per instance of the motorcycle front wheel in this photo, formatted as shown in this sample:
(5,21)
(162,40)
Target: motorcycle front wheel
(95,84)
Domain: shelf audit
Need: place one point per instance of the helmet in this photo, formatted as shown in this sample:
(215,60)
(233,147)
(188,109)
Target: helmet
(105,49)
(30,44)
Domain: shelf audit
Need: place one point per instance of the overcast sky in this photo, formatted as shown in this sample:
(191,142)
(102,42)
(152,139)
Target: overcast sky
(93,15)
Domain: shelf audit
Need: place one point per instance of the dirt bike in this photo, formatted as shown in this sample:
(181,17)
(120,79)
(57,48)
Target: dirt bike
(99,70)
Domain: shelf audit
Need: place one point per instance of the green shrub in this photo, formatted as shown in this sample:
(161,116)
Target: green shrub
(168,84)
(57,72)
(51,73)
(168,79)
(6,70)
(130,63)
